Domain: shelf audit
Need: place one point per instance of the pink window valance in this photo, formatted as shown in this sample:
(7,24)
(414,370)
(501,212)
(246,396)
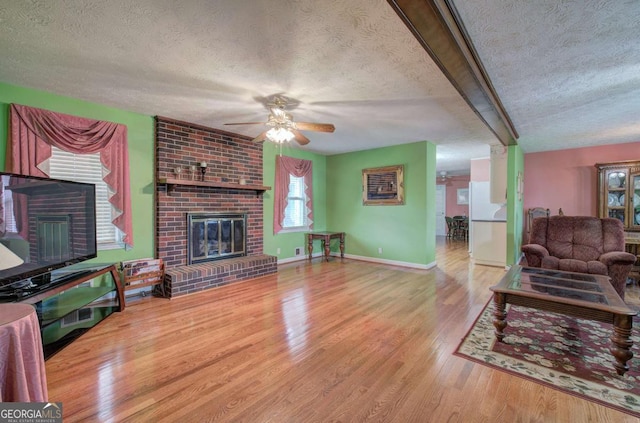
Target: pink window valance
(286,166)
(34,131)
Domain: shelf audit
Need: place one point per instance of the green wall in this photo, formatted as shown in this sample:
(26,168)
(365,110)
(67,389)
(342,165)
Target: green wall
(515,211)
(140,129)
(287,242)
(406,233)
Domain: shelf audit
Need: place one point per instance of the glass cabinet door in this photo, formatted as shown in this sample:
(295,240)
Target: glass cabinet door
(616,188)
(635,200)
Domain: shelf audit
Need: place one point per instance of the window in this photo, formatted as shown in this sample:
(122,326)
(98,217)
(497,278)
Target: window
(88,168)
(8,221)
(293,195)
(295,214)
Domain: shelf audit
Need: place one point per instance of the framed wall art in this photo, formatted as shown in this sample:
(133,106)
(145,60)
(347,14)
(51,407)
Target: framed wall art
(463,195)
(383,186)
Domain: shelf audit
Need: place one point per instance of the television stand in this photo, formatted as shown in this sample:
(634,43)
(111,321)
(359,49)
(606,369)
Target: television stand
(77,298)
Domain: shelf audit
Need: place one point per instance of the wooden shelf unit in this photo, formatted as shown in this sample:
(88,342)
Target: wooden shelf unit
(171,183)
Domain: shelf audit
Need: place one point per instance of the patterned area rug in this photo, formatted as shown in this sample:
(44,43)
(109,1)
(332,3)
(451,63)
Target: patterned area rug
(569,354)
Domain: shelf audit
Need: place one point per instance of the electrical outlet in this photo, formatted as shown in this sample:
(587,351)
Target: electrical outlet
(379,250)
(278,251)
(298,251)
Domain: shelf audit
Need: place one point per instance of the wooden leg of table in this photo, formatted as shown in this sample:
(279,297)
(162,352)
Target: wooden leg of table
(621,342)
(342,246)
(310,246)
(119,288)
(326,244)
(500,314)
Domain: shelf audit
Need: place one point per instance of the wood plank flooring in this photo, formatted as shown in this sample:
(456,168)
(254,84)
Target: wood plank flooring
(343,341)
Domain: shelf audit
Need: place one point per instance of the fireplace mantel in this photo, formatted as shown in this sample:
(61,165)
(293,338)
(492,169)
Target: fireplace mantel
(172,182)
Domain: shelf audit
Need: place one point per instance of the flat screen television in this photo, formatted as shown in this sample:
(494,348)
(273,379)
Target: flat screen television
(45,224)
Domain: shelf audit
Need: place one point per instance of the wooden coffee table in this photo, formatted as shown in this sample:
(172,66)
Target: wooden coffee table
(580,295)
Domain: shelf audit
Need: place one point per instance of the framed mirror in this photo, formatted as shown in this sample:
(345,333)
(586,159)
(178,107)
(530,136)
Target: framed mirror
(383,186)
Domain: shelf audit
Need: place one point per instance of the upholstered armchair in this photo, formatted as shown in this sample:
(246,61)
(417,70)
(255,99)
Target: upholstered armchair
(582,244)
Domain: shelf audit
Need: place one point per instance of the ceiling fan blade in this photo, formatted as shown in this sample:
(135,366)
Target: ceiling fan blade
(260,137)
(300,139)
(318,127)
(246,123)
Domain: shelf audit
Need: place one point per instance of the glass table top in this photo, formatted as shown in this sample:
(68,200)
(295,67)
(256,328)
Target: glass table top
(554,283)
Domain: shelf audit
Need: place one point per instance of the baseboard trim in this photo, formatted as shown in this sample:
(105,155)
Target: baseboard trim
(389,262)
(298,258)
(362,258)
(493,263)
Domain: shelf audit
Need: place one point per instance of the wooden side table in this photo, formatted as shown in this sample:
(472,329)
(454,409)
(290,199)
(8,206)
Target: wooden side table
(325,238)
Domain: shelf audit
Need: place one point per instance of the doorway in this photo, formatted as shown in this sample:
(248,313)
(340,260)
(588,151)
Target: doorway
(441,210)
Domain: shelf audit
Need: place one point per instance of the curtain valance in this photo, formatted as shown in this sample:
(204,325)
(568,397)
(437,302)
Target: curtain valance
(34,131)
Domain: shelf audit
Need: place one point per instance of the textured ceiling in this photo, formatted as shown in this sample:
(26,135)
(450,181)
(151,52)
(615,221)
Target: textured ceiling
(350,63)
(567,74)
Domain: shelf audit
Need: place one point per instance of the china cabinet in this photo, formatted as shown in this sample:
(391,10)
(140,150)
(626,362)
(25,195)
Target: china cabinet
(619,192)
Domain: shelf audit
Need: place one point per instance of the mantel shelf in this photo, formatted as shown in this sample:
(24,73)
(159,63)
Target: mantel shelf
(172,182)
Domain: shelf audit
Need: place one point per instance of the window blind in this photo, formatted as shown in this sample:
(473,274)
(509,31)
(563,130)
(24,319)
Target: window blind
(295,214)
(9,219)
(87,168)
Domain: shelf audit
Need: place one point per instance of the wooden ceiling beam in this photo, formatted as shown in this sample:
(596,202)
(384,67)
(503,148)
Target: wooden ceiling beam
(436,24)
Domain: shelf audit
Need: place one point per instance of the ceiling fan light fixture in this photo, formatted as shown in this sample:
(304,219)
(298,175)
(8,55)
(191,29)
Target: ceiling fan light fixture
(282,128)
(279,135)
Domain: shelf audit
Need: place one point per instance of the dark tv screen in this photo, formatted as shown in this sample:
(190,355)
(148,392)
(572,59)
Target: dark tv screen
(45,224)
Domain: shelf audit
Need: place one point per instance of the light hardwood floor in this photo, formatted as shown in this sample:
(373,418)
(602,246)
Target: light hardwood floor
(343,341)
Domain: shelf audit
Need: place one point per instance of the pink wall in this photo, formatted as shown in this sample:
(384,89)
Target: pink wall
(480,169)
(567,179)
(452,185)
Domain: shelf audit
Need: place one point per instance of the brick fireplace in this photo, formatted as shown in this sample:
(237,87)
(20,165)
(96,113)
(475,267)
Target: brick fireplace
(234,168)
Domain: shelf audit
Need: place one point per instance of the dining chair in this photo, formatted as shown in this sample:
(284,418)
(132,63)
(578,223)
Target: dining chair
(462,226)
(450,226)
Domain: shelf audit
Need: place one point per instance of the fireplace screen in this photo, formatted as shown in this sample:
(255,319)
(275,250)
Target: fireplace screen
(214,236)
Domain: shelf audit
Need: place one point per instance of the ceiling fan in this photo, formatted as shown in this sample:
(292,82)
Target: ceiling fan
(443,176)
(282,128)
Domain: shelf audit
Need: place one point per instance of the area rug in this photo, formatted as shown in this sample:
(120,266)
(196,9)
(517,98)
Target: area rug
(565,353)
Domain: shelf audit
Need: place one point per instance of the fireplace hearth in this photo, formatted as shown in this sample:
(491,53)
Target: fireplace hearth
(215,236)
